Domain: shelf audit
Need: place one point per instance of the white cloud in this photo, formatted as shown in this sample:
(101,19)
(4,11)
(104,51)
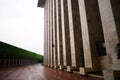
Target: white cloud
(21,24)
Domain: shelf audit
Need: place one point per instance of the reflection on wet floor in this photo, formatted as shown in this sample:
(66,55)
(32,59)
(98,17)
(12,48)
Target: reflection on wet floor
(39,72)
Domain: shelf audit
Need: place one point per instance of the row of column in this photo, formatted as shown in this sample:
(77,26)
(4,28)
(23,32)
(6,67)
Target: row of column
(84,35)
(11,61)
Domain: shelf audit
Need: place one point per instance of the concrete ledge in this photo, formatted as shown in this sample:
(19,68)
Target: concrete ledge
(77,72)
(96,74)
(111,74)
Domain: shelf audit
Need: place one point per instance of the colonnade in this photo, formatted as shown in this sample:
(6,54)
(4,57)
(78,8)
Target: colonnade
(83,35)
(11,61)
(11,56)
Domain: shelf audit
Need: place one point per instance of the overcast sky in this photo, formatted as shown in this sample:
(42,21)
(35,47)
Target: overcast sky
(21,24)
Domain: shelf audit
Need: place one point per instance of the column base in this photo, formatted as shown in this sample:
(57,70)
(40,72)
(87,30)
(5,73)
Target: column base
(84,71)
(51,66)
(71,69)
(48,65)
(111,74)
(56,66)
(61,67)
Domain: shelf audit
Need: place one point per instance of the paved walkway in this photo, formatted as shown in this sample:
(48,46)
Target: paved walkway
(39,72)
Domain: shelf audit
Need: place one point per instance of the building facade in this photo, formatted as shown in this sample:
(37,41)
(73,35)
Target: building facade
(82,35)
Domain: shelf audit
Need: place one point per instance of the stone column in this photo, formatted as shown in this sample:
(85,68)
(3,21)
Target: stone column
(59,34)
(66,34)
(55,36)
(110,16)
(91,34)
(49,50)
(9,61)
(48,33)
(45,31)
(13,61)
(75,33)
(51,34)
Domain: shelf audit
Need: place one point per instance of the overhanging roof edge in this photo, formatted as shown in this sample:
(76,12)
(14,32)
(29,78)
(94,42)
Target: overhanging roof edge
(41,3)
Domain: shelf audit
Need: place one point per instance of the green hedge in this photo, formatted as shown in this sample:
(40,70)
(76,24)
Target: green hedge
(10,50)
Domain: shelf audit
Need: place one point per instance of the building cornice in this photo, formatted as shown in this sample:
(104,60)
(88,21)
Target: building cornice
(41,3)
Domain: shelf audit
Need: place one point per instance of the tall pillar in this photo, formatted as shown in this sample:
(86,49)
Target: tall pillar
(49,50)
(47,2)
(55,36)
(51,34)
(75,33)
(66,34)
(91,34)
(59,34)
(110,16)
(45,32)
